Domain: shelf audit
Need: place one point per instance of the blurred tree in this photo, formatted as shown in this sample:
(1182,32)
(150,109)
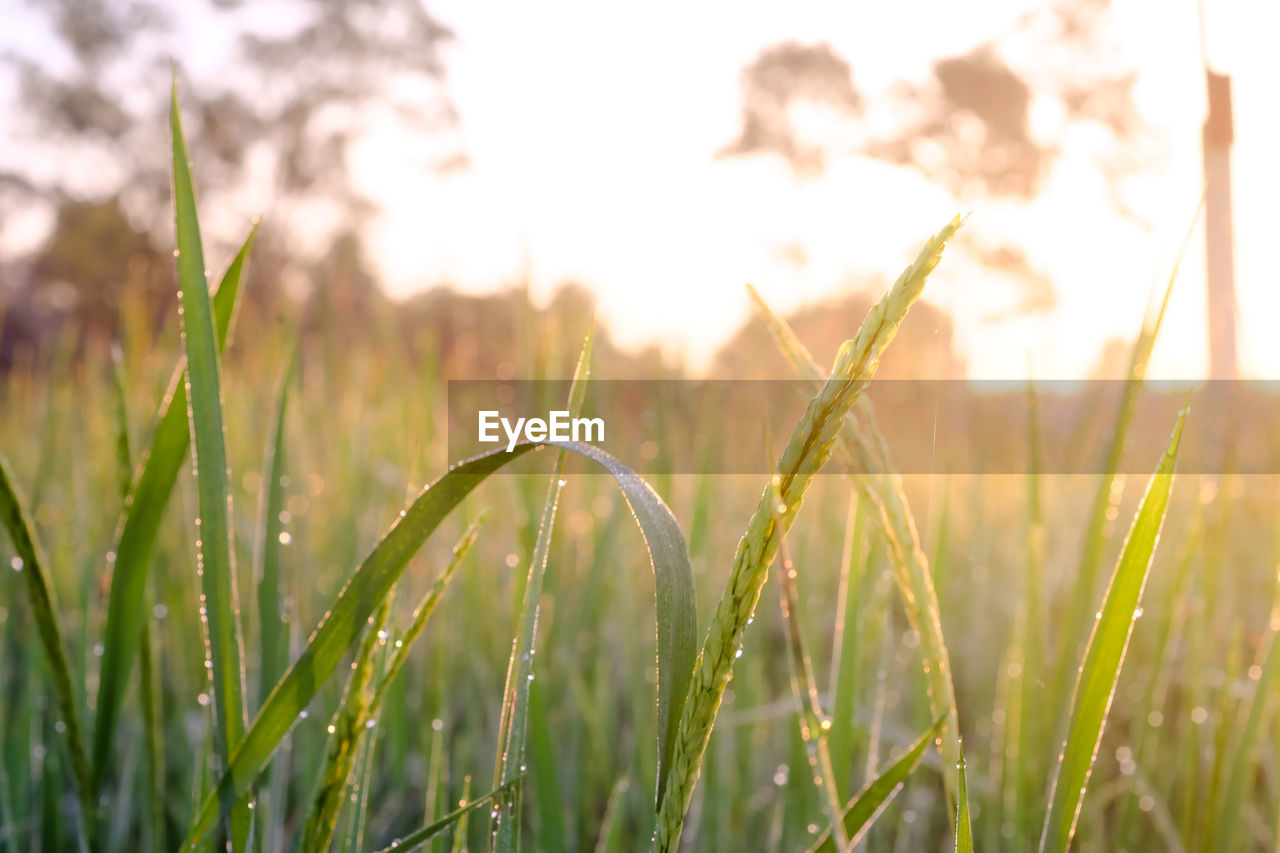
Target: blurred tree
(969,125)
(784,89)
(280,95)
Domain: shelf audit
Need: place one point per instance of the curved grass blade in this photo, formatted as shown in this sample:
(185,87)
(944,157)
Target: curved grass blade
(31,564)
(415,840)
(140,521)
(871,800)
(964,830)
(214,555)
(1095,687)
(380,570)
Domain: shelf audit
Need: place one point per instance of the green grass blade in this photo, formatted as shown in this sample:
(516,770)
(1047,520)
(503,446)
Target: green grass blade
(513,730)
(844,654)
(1095,687)
(273,635)
(1106,496)
(867,805)
(1243,759)
(344,740)
(459,844)
(610,840)
(215,557)
(815,726)
(380,570)
(414,840)
(148,686)
(140,521)
(120,411)
(964,831)
(31,564)
(424,610)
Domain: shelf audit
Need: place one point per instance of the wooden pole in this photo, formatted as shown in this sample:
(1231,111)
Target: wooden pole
(1219,242)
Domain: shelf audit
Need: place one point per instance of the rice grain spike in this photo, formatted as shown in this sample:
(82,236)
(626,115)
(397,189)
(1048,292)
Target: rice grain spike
(807,451)
(865,454)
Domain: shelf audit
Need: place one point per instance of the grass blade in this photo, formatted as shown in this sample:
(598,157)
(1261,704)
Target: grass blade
(871,800)
(273,635)
(414,840)
(344,740)
(380,570)
(844,649)
(140,521)
(1107,496)
(964,831)
(610,840)
(149,688)
(426,608)
(215,557)
(1243,759)
(512,733)
(1095,687)
(30,563)
(815,726)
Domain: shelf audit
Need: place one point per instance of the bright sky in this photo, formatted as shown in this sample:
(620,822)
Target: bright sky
(592,135)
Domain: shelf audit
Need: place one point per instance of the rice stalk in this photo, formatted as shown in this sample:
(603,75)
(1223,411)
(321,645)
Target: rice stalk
(807,451)
(815,726)
(865,455)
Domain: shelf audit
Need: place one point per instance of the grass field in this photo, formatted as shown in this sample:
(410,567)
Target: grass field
(296,646)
